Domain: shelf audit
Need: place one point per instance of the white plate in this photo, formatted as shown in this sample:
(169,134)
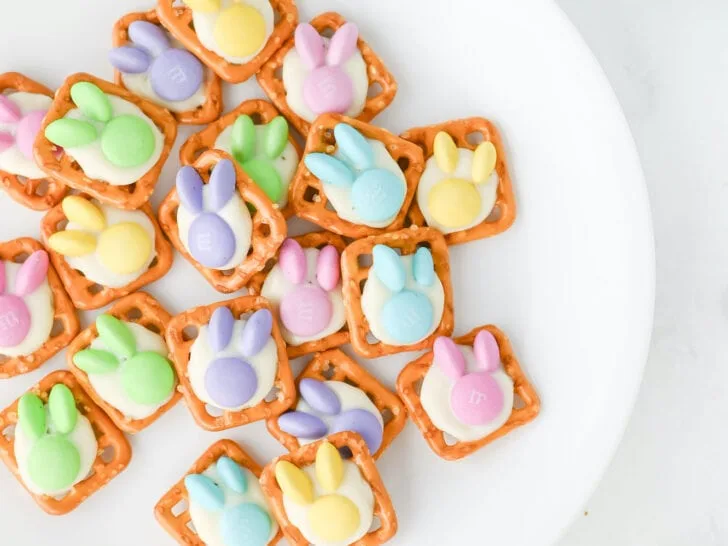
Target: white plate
(571,283)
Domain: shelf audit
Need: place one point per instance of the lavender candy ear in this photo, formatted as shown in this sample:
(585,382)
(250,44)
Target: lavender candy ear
(362,422)
(149,36)
(302,425)
(256,332)
(189,189)
(222,184)
(319,396)
(129,59)
(220,328)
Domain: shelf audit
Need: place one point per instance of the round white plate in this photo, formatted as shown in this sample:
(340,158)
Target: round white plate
(571,282)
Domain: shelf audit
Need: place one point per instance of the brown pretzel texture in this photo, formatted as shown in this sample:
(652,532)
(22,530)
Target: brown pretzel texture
(87,294)
(306,456)
(177,525)
(34,193)
(109,438)
(65,321)
(407,241)
(272,83)
(179,24)
(68,171)
(269,227)
(504,210)
(180,344)
(318,240)
(142,309)
(212,107)
(410,379)
(334,365)
(307,193)
(261,112)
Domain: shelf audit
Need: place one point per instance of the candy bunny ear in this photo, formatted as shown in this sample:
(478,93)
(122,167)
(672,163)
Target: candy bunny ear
(70,133)
(294,483)
(203,6)
(388,267)
(302,425)
(72,243)
(354,146)
(222,184)
(189,189)
(95,361)
(62,409)
(487,353)
(446,152)
(116,335)
(129,59)
(6,141)
(92,101)
(423,267)
(449,358)
(256,332)
(243,139)
(9,111)
(203,491)
(276,137)
(484,159)
(292,261)
(149,36)
(310,45)
(32,273)
(232,474)
(83,212)
(329,169)
(32,415)
(342,45)
(220,328)
(328,268)
(329,467)
(319,396)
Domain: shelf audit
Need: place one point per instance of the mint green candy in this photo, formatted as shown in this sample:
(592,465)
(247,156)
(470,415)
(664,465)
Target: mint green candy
(147,378)
(62,407)
(95,361)
(243,139)
(53,463)
(127,141)
(32,416)
(116,335)
(92,101)
(70,133)
(276,137)
(265,176)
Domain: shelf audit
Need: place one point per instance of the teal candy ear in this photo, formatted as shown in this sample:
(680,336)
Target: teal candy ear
(204,492)
(95,361)
(31,415)
(276,137)
(231,473)
(243,139)
(62,408)
(329,169)
(388,268)
(354,146)
(116,335)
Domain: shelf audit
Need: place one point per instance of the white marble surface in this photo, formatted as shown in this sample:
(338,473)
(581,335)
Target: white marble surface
(668,63)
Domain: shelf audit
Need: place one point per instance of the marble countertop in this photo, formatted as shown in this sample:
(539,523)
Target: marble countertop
(668,63)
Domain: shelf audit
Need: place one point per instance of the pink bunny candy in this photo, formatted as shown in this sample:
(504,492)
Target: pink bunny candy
(26,127)
(15,319)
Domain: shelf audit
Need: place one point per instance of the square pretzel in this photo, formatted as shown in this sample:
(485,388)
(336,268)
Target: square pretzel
(34,193)
(177,525)
(180,26)
(504,210)
(180,344)
(108,437)
(65,322)
(305,456)
(271,81)
(335,365)
(261,111)
(318,239)
(142,309)
(307,193)
(87,294)
(269,227)
(413,374)
(212,107)
(407,241)
(67,170)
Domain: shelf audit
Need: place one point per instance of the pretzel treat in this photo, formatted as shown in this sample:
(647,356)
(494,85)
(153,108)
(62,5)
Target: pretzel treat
(353,494)
(335,394)
(103,253)
(307,77)
(23,105)
(122,362)
(404,300)
(257,137)
(233,38)
(64,455)
(229,476)
(156,68)
(37,318)
(303,287)
(235,371)
(223,243)
(465,190)
(117,164)
(466,388)
(368,191)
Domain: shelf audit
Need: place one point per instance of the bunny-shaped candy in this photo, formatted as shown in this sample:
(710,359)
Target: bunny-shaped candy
(19,128)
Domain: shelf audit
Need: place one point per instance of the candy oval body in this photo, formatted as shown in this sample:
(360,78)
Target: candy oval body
(176,75)
(211,240)
(230,381)
(377,195)
(407,316)
(454,202)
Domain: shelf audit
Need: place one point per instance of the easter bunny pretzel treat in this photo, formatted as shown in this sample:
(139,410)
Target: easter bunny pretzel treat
(61,440)
(321,499)
(23,105)
(114,142)
(257,137)
(225,503)
(406,298)
(305,290)
(37,318)
(320,76)
(465,190)
(469,385)
(355,179)
(157,68)
(103,253)
(235,371)
(122,362)
(206,218)
(233,37)
(336,394)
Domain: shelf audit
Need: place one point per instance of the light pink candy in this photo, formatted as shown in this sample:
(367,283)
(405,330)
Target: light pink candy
(476,399)
(486,351)
(32,273)
(27,130)
(6,141)
(328,268)
(306,310)
(328,89)
(9,111)
(293,261)
(449,357)
(310,45)
(14,320)
(2,276)
(342,44)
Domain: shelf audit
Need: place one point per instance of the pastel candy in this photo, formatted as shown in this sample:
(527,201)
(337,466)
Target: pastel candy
(9,111)
(53,463)
(211,240)
(423,267)
(388,267)
(329,169)
(276,137)
(176,75)
(230,382)
(256,332)
(343,44)
(124,248)
(319,396)
(82,211)
(377,195)
(220,329)
(221,184)
(148,378)
(62,409)
(486,351)
(292,261)
(294,482)
(449,358)
(484,160)
(70,133)
(476,399)
(26,131)
(363,422)
(328,269)
(32,273)
(407,316)
(129,60)
(232,474)
(306,310)
(353,144)
(92,101)
(334,518)
(127,141)
(204,491)
(14,320)
(328,89)
(95,361)
(116,335)
(309,45)
(454,202)
(6,141)
(329,467)
(302,425)
(32,415)
(150,36)
(245,524)
(266,177)
(240,30)
(446,152)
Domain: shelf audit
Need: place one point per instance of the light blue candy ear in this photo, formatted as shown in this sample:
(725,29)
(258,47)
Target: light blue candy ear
(205,492)
(423,267)
(388,267)
(354,146)
(329,169)
(233,476)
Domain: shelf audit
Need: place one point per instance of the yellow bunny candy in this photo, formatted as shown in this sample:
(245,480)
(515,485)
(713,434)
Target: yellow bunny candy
(329,467)
(446,152)
(83,212)
(240,30)
(203,6)
(484,159)
(72,243)
(294,483)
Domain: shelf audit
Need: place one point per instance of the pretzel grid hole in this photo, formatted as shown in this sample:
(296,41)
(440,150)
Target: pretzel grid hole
(9,432)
